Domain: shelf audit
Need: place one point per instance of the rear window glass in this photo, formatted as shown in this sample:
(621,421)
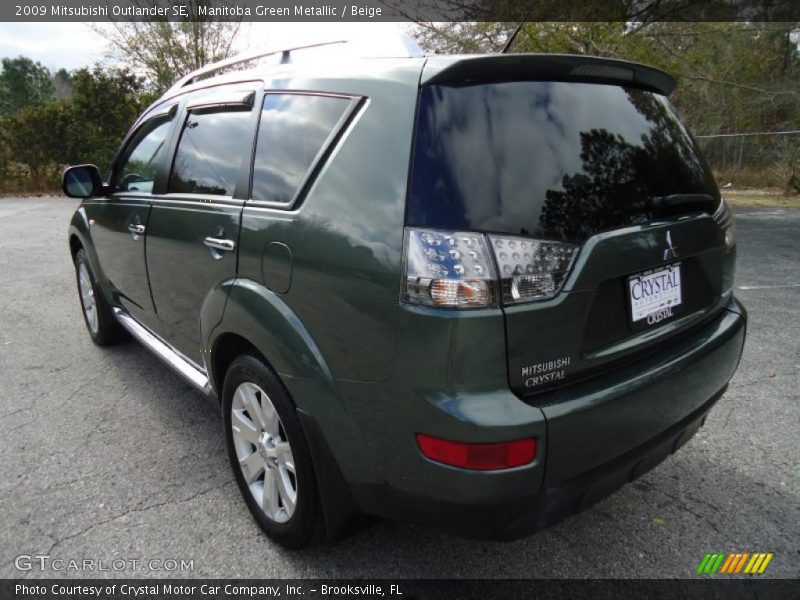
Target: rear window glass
(292,133)
(547,159)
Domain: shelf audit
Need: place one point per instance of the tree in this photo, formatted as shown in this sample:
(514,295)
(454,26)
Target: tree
(732,77)
(23,83)
(37,141)
(62,84)
(34,138)
(104,105)
(164,51)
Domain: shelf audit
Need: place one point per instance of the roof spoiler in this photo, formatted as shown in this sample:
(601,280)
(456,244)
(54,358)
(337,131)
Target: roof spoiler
(545,67)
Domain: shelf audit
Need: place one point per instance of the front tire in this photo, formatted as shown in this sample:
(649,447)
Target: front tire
(269,454)
(103,328)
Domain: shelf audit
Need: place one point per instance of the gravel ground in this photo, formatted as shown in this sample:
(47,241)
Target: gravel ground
(106,454)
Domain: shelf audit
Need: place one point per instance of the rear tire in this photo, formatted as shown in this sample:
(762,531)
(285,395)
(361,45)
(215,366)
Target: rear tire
(269,454)
(103,327)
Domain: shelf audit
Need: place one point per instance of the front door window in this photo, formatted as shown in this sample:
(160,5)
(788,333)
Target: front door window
(136,172)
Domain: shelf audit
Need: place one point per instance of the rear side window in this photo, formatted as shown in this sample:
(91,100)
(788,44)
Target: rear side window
(294,131)
(552,160)
(210,152)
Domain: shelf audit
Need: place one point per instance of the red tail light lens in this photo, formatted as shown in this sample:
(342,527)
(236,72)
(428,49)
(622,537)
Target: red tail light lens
(478,457)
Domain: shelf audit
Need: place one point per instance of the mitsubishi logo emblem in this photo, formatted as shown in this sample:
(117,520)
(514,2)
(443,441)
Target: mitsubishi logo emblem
(671,251)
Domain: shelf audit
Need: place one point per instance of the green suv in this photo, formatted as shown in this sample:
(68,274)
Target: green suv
(475,292)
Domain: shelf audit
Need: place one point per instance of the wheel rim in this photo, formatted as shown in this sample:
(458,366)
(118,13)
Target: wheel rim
(265,456)
(87,297)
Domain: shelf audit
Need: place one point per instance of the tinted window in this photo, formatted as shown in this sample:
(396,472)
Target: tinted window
(210,152)
(292,133)
(137,170)
(547,159)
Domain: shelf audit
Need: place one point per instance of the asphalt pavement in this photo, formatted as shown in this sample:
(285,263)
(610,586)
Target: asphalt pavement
(106,454)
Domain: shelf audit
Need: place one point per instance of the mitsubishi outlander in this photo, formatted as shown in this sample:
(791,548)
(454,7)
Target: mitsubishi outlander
(475,292)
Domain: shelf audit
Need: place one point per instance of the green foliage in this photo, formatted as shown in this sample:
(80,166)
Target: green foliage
(732,77)
(32,143)
(39,140)
(104,105)
(49,121)
(62,84)
(23,83)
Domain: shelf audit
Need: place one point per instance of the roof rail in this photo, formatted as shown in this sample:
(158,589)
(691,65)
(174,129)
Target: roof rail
(243,58)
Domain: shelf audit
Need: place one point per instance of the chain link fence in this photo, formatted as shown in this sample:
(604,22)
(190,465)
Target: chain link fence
(760,159)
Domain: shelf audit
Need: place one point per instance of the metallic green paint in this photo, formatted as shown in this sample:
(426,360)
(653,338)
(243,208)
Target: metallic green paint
(120,253)
(622,409)
(372,372)
(182,269)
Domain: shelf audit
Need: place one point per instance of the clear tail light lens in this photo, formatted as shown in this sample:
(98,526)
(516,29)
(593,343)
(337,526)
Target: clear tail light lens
(449,269)
(456,269)
(531,269)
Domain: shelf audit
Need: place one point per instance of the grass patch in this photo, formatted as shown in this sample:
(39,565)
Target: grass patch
(763,198)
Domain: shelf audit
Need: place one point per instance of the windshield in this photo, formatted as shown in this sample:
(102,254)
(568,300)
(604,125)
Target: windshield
(547,159)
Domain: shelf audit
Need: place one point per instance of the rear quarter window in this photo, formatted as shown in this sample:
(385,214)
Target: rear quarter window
(293,132)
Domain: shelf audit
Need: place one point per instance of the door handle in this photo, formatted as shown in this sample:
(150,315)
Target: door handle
(220,244)
(136,229)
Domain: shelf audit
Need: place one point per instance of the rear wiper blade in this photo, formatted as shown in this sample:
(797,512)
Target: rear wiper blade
(679,203)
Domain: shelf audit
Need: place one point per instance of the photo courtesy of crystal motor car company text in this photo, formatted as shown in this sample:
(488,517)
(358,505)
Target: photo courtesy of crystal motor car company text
(473,292)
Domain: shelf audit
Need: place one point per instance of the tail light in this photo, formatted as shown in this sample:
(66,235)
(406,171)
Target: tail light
(531,269)
(458,269)
(479,457)
(448,269)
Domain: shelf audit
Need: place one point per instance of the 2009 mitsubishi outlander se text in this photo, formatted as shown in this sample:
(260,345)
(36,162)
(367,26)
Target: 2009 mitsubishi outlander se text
(475,292)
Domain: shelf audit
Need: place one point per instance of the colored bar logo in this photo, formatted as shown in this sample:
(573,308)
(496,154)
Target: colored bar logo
(734,563)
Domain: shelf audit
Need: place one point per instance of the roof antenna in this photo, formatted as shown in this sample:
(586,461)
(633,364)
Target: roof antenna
(510,41)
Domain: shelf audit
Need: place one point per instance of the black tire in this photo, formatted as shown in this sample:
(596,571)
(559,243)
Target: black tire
(306,525)
(107,331)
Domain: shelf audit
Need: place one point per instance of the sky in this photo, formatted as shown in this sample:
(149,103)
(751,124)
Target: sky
(73,45)
(55,45)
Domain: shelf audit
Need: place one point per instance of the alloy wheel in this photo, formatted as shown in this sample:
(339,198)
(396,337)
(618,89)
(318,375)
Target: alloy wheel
(264,454)
(87,297)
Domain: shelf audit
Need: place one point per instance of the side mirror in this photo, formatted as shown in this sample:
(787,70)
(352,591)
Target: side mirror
(82,181)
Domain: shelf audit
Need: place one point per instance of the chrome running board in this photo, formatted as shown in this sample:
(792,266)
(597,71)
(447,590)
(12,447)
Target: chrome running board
(181,365)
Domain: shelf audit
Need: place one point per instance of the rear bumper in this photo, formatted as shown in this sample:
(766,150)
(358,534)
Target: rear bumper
(602,434)
(602,418)
(509,520)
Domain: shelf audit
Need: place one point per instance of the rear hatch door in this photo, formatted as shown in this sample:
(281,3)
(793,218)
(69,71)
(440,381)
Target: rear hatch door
(599,160)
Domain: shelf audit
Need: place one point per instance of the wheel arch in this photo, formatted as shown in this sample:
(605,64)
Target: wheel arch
(252,318)
(75,244)
(258,321)
(79,237)
(226,348)
(78,233)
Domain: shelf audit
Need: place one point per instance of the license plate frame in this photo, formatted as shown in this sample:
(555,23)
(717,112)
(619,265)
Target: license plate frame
(649,310)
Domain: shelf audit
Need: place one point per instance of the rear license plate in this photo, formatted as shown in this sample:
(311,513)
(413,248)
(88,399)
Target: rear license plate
(654,295)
